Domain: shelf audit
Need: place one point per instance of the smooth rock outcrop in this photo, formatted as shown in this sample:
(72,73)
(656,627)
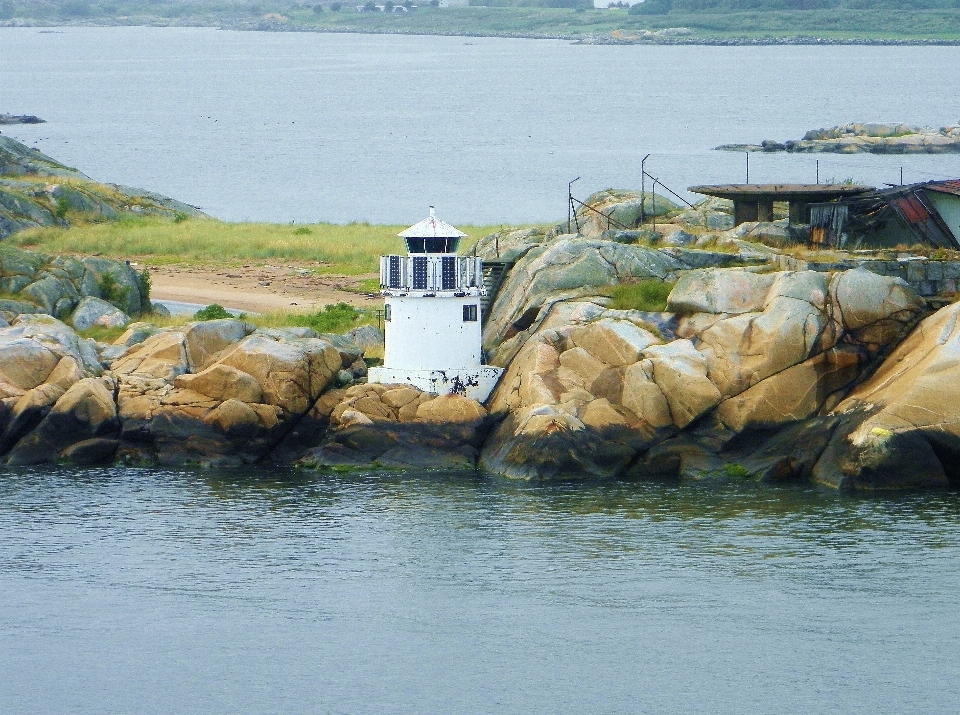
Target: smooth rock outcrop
(749,352)
(394,426)
(901,427)
(564,270)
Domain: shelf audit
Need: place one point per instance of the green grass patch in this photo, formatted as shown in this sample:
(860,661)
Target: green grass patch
(648,295)
(348,249)
(334,318)
(102,335)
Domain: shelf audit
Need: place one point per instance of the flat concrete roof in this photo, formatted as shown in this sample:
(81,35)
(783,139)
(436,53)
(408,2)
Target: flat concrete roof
(781,192)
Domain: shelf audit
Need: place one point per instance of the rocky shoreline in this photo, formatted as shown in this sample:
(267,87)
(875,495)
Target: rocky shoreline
(856,138)
(36,190)
(838,376)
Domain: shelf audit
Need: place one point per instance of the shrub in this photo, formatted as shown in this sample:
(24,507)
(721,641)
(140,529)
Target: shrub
(302,231)
(212,312)
(649,295)
(145,284)
(335,6)
(332,319)
(63,205)
(110,290)
(180,217)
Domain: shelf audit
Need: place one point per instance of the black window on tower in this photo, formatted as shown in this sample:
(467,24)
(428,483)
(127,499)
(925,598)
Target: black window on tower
(448,273)
(419,272)
(470,313)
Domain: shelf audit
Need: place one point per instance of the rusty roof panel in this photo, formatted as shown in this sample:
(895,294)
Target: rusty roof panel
(912,209)
(945,187)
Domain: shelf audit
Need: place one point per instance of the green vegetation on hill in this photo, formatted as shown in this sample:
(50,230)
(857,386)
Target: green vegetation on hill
(709,19)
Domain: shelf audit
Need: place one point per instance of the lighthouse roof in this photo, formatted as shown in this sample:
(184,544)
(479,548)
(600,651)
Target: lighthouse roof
(432,227)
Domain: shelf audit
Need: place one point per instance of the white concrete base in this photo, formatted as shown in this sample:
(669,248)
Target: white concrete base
(476,383)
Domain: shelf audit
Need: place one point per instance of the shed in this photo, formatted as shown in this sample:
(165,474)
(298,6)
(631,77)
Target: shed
(927,213)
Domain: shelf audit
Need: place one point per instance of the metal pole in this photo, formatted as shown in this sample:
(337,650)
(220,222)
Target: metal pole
(643,188)
(818,171)
(654,207)
(570,201)
(901,176)
(748,167)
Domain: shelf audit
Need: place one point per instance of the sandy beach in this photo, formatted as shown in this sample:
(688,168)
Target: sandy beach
(258,287)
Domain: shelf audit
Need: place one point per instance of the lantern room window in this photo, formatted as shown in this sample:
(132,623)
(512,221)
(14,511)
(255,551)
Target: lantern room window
(432,245)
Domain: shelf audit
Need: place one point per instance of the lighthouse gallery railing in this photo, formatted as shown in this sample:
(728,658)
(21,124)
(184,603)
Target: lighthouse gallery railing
(431,273)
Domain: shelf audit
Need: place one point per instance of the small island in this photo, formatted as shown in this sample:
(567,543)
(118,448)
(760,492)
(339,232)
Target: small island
(20,119)
(856,138)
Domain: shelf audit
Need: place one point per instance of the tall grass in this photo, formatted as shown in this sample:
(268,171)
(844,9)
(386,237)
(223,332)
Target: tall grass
(648,295)
(349,249)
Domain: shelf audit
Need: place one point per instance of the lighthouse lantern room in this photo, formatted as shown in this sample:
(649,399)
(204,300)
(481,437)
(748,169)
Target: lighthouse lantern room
(432,315)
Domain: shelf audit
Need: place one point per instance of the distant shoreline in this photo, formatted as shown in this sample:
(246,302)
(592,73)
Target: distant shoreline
(577,39)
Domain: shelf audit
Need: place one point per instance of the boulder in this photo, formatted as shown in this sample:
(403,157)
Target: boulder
(546,443)
(509,245)
(606,209)
(86,411)
(865,299)
(205,339)
(732,291)
(162,356)
(451,409)
(386,425)
(222,382)
(797,393)
(292,375)
(614,342)
(680,372)
(92,312)
(33,346)
(901,427)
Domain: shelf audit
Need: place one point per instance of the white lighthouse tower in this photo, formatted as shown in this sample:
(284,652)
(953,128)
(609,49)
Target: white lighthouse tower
(432,315)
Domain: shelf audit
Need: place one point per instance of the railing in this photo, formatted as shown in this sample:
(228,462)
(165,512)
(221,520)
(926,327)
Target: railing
(431,273)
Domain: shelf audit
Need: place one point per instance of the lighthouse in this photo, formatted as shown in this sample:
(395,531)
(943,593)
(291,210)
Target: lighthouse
(432,315)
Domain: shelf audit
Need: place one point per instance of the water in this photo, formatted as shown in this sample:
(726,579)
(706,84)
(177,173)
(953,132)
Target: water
(158,591)
(306,127)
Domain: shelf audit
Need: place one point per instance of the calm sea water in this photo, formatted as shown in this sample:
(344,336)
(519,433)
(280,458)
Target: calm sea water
(154,591)
(306,127)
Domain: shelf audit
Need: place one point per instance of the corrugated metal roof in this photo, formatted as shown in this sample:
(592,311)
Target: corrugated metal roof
(432,227)
(945,187)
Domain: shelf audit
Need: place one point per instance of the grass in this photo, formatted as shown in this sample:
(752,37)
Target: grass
(647,295)
(347,249)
